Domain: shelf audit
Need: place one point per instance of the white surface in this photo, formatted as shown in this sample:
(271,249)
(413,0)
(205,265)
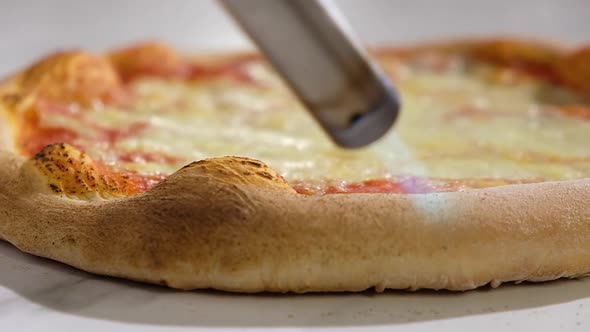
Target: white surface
(36,294)
(31,28)
(39,294)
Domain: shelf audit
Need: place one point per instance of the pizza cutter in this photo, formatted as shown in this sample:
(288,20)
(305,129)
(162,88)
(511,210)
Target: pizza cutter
(312,47)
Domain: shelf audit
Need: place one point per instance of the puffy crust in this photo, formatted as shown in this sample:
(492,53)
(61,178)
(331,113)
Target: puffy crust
(197,230)
(575,70)
(239,170)
(150,58)
(531,54)
(234,224)
(543,59)
(499,50)
(74,76)
(67,171)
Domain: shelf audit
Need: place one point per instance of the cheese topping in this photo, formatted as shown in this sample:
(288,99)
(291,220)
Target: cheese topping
(465,120)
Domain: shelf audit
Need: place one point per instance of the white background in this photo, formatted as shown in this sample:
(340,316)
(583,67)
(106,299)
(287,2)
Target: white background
(31,28)
(36,294)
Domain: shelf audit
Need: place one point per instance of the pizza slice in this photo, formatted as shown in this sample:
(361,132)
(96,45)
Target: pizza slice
(205,172)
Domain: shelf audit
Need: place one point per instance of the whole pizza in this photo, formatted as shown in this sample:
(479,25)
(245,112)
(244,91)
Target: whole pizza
(206,172)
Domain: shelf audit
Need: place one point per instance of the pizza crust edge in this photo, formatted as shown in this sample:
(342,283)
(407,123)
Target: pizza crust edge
(229,231)
(239,231)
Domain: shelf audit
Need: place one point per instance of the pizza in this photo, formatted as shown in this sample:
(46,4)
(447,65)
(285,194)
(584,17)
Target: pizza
(206,172)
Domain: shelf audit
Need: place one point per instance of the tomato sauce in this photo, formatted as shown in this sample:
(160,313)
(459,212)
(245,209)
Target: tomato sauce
(407,185)
(144,156)
(578,111)
(235,69)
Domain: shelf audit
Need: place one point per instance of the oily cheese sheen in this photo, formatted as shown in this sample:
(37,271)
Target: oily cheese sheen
(458,122)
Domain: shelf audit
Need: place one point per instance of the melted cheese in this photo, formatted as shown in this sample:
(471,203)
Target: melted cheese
(455,123)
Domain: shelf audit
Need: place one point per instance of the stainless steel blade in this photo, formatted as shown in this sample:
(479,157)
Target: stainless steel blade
(311,46)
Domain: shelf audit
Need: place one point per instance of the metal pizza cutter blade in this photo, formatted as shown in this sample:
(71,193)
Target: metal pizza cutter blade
(311,46)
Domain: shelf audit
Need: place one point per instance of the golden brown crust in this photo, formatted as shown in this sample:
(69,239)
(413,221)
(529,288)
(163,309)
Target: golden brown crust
(69,172)
(519,53)
(494,49)
(239,170)
(575,70)
(74,76)
(66,171)
(6,128)
(542,59)
(234,224)
(200,231)
(150,58)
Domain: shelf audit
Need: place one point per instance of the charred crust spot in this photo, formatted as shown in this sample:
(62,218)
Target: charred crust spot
(11,98)
(55,188)
(71,172)
(254,163)
(60,166)
(194,163)
(39,155)
(265,175)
